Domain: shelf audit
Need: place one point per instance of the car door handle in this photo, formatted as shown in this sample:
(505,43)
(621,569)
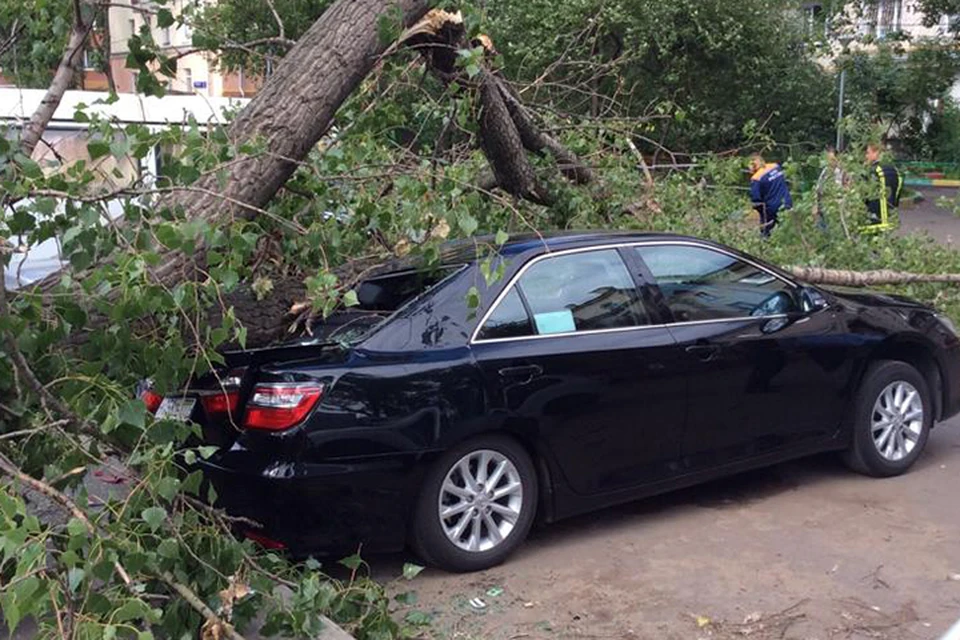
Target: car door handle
(522,373)
(705,352)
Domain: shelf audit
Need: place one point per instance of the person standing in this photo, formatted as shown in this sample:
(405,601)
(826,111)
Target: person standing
(886,187)
(769,192)
(831,174)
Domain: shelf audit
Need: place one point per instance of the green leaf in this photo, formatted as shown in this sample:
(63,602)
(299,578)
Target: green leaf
(74,577)
(411,571)
(502,237)
(75,527)
(120,148)
(164,18)
(11,612)
(98,149)
(408,598)
(169,548)
(241,336)
(134,609)
(154,517)
(473,298)
(418,618)
(168,487)
(134,413)
(350,299)
(352,562)
(468,223)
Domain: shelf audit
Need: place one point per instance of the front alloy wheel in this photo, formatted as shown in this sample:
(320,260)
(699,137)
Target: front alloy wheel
(476,505)
(892,419)
(897,420)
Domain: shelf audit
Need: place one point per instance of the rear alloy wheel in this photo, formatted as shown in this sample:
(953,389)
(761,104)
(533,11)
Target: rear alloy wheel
(476,505)
(893,419)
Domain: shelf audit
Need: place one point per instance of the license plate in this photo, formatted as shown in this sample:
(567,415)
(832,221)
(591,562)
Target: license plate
(176,408)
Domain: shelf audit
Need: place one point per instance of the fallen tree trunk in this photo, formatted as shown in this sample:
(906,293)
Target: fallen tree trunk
(845,278)
(287,117)
(295,109)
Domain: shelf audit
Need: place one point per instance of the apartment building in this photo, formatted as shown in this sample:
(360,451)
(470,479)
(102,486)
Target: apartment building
(196,71)
(873,19)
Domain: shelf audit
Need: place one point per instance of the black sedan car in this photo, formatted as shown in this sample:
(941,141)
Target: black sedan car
(600,368)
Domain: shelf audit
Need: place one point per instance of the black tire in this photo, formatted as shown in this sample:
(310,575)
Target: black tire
(428,538)
(864,453)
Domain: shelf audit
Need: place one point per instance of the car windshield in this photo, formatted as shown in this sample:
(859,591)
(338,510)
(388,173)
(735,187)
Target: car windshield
(378,299)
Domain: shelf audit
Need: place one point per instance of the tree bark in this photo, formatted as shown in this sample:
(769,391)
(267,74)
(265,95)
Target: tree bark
(844,278)
(62,80)
(290,114)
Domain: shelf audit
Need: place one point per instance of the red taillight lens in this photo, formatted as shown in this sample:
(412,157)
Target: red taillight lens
(276,407)
(152,400)
(264,541)
(219,403)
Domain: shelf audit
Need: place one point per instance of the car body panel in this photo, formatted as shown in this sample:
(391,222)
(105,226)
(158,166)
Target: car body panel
(608,416)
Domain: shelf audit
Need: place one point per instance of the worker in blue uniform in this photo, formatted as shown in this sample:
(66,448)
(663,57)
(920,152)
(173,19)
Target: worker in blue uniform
(769,192)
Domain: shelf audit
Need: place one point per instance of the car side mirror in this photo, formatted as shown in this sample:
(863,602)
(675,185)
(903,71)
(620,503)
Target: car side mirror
(812,300)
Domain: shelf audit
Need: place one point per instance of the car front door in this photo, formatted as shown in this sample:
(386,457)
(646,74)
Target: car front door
(764,375)
(572,353)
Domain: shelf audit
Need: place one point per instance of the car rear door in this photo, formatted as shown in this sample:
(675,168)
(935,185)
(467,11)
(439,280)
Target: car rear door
(763,374)
(572,352)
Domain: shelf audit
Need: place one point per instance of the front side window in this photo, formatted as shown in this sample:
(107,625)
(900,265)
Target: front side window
(702,284)
(586,291)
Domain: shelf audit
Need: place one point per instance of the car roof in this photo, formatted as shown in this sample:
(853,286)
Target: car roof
(465,251)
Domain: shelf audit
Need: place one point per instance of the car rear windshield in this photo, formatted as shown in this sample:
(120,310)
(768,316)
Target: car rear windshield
(378,299)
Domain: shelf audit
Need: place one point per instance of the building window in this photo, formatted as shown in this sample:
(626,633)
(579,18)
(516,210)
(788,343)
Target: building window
(165,37)
(136,78)
(188,79)
(132,24)
(88,61)
(812,17)
(888,17)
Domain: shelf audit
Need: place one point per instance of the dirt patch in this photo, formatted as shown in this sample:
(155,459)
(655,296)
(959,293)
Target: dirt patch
(805,550)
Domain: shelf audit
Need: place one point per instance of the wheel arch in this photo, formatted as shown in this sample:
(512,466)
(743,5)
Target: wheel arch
(545,478)
(915,352)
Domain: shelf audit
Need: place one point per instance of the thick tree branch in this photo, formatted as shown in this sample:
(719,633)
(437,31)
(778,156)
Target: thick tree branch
(106,48)
(845,278)
(289,115)
(62,80)
(281,32)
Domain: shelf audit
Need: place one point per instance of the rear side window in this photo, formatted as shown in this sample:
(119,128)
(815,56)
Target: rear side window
(702,284)
(586,291)
(508,320)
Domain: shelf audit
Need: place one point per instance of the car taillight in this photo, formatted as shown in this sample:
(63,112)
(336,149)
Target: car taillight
(264,541)
(220,403)
(151,399)
(279,406)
